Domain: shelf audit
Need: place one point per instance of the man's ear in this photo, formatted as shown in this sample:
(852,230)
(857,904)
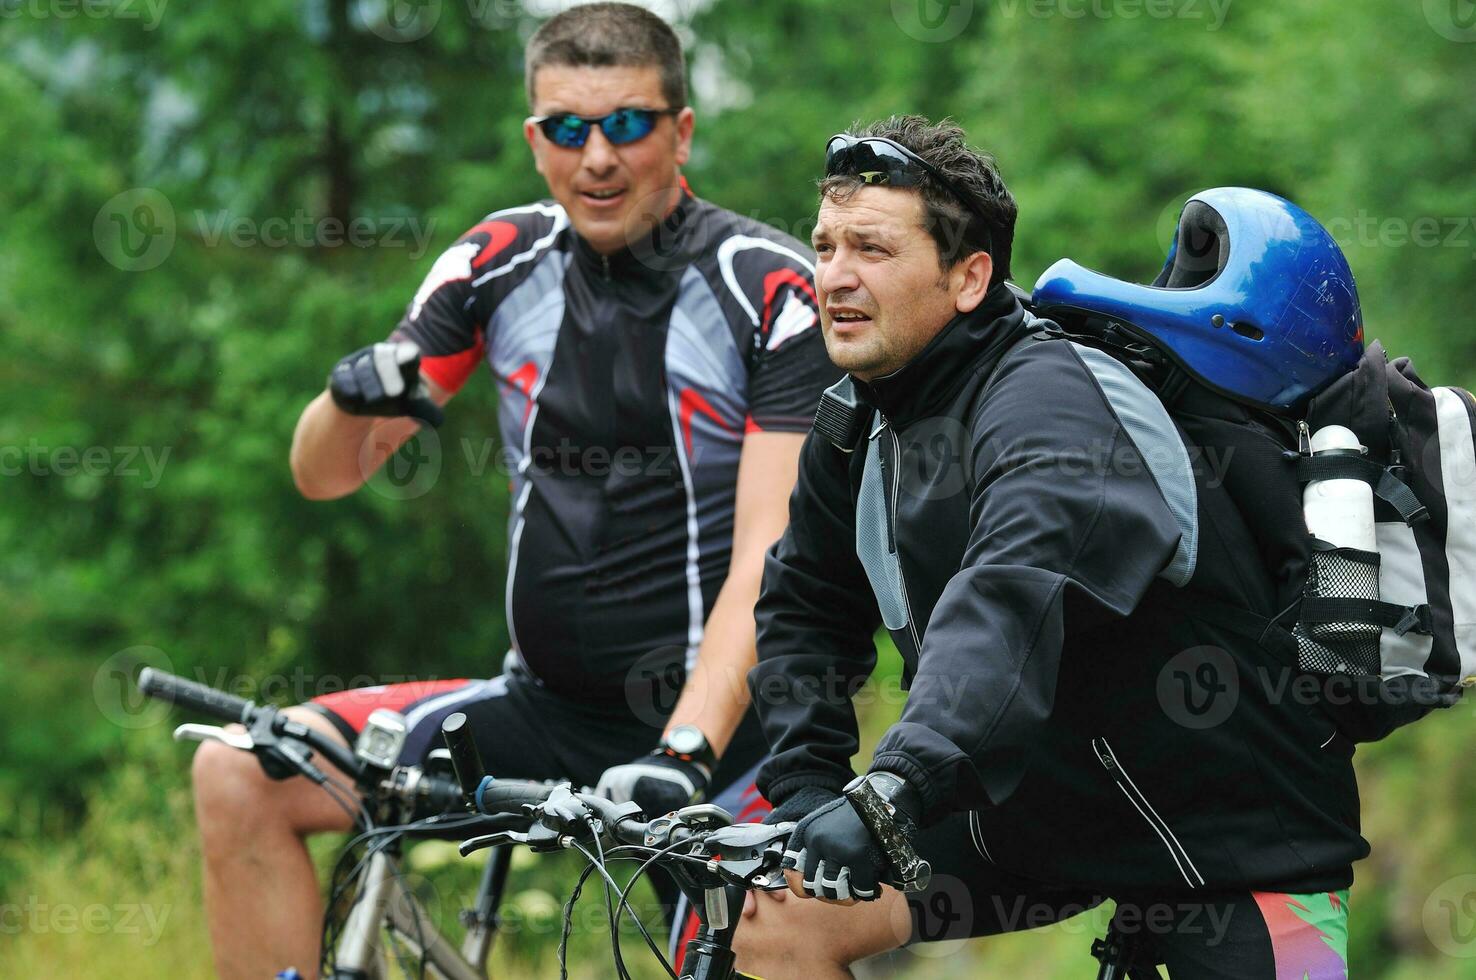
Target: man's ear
(686,121)
(971,280)
(530,133)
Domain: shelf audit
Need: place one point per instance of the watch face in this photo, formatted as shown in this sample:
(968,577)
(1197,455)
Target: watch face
(685,739)
(885,784)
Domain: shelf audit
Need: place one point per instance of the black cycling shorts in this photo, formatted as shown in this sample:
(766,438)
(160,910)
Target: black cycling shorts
(523,730)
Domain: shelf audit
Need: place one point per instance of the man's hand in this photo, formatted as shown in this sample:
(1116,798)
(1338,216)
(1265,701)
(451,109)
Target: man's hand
(833,857)
(658,783)
(384,379)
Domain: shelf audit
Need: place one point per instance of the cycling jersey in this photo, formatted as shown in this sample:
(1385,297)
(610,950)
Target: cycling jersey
(627,384)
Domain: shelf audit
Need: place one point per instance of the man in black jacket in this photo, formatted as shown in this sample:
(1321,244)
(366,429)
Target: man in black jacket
(1052,561)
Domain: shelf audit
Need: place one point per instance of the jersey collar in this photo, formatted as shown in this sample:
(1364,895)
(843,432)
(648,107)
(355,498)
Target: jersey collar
(669,248)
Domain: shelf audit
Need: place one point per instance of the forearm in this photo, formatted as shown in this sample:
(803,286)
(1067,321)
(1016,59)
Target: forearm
(715,697)
(334,453)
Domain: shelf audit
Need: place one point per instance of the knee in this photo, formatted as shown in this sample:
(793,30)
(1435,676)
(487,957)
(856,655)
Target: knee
(232,794)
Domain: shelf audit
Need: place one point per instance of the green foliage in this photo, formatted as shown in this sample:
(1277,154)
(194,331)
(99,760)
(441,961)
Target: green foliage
(207,559)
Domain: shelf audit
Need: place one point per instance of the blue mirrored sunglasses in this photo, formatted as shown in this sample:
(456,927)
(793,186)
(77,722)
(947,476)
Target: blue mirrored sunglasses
(620,127)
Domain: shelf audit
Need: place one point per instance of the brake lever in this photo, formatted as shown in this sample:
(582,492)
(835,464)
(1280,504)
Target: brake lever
(749,854)
(193,732)
(491,840)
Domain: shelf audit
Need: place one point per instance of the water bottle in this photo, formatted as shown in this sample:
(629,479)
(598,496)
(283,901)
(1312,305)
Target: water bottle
(1340,512)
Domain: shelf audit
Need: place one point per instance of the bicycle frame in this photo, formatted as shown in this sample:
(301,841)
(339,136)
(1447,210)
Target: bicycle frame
(382,900)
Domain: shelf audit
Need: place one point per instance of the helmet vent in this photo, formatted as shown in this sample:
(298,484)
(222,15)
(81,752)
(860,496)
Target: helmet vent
(1201,250)
(1248,330)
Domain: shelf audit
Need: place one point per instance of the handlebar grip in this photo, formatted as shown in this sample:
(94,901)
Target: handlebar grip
(498,796)
(193,696)
(466,761)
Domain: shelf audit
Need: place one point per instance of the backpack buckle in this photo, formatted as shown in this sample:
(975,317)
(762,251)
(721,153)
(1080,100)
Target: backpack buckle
(1417,619)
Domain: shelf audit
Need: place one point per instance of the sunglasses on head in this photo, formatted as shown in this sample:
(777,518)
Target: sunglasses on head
(879,161)
(620,127)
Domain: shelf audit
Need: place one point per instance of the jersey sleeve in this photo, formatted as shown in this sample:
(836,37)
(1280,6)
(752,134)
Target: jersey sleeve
(789,368)
(447,319)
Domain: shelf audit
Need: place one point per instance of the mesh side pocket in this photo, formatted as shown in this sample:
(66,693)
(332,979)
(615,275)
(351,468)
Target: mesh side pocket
(1341,648)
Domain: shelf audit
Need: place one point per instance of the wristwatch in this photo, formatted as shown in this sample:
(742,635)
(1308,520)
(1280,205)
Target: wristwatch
(871,797)
(885,784)
(686,742)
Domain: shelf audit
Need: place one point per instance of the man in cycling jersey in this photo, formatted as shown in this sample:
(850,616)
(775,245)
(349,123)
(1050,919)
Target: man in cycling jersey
(657,367)
(1024,517)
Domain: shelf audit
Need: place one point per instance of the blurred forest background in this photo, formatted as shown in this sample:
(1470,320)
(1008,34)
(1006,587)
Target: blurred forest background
(203,206)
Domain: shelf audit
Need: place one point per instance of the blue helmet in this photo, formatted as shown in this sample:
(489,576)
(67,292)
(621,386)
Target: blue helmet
(1256,299)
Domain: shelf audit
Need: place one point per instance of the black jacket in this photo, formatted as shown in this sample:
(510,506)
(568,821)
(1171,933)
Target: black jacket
(1053,560)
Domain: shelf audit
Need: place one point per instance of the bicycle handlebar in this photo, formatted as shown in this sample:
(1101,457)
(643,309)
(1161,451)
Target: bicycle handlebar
(194,696)
(745,855)
(466,761)
(270,728)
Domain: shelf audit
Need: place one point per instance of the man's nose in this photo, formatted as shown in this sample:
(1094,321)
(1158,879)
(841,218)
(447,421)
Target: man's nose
(599,153)
(837,274)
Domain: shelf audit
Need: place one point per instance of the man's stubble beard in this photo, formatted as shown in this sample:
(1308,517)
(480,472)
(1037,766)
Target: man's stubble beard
(865,361)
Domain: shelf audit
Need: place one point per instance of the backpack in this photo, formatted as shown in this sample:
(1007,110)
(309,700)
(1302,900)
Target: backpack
(1392,633)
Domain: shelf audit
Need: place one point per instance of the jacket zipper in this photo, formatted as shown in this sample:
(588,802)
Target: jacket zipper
(896,474)
(1160,826)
